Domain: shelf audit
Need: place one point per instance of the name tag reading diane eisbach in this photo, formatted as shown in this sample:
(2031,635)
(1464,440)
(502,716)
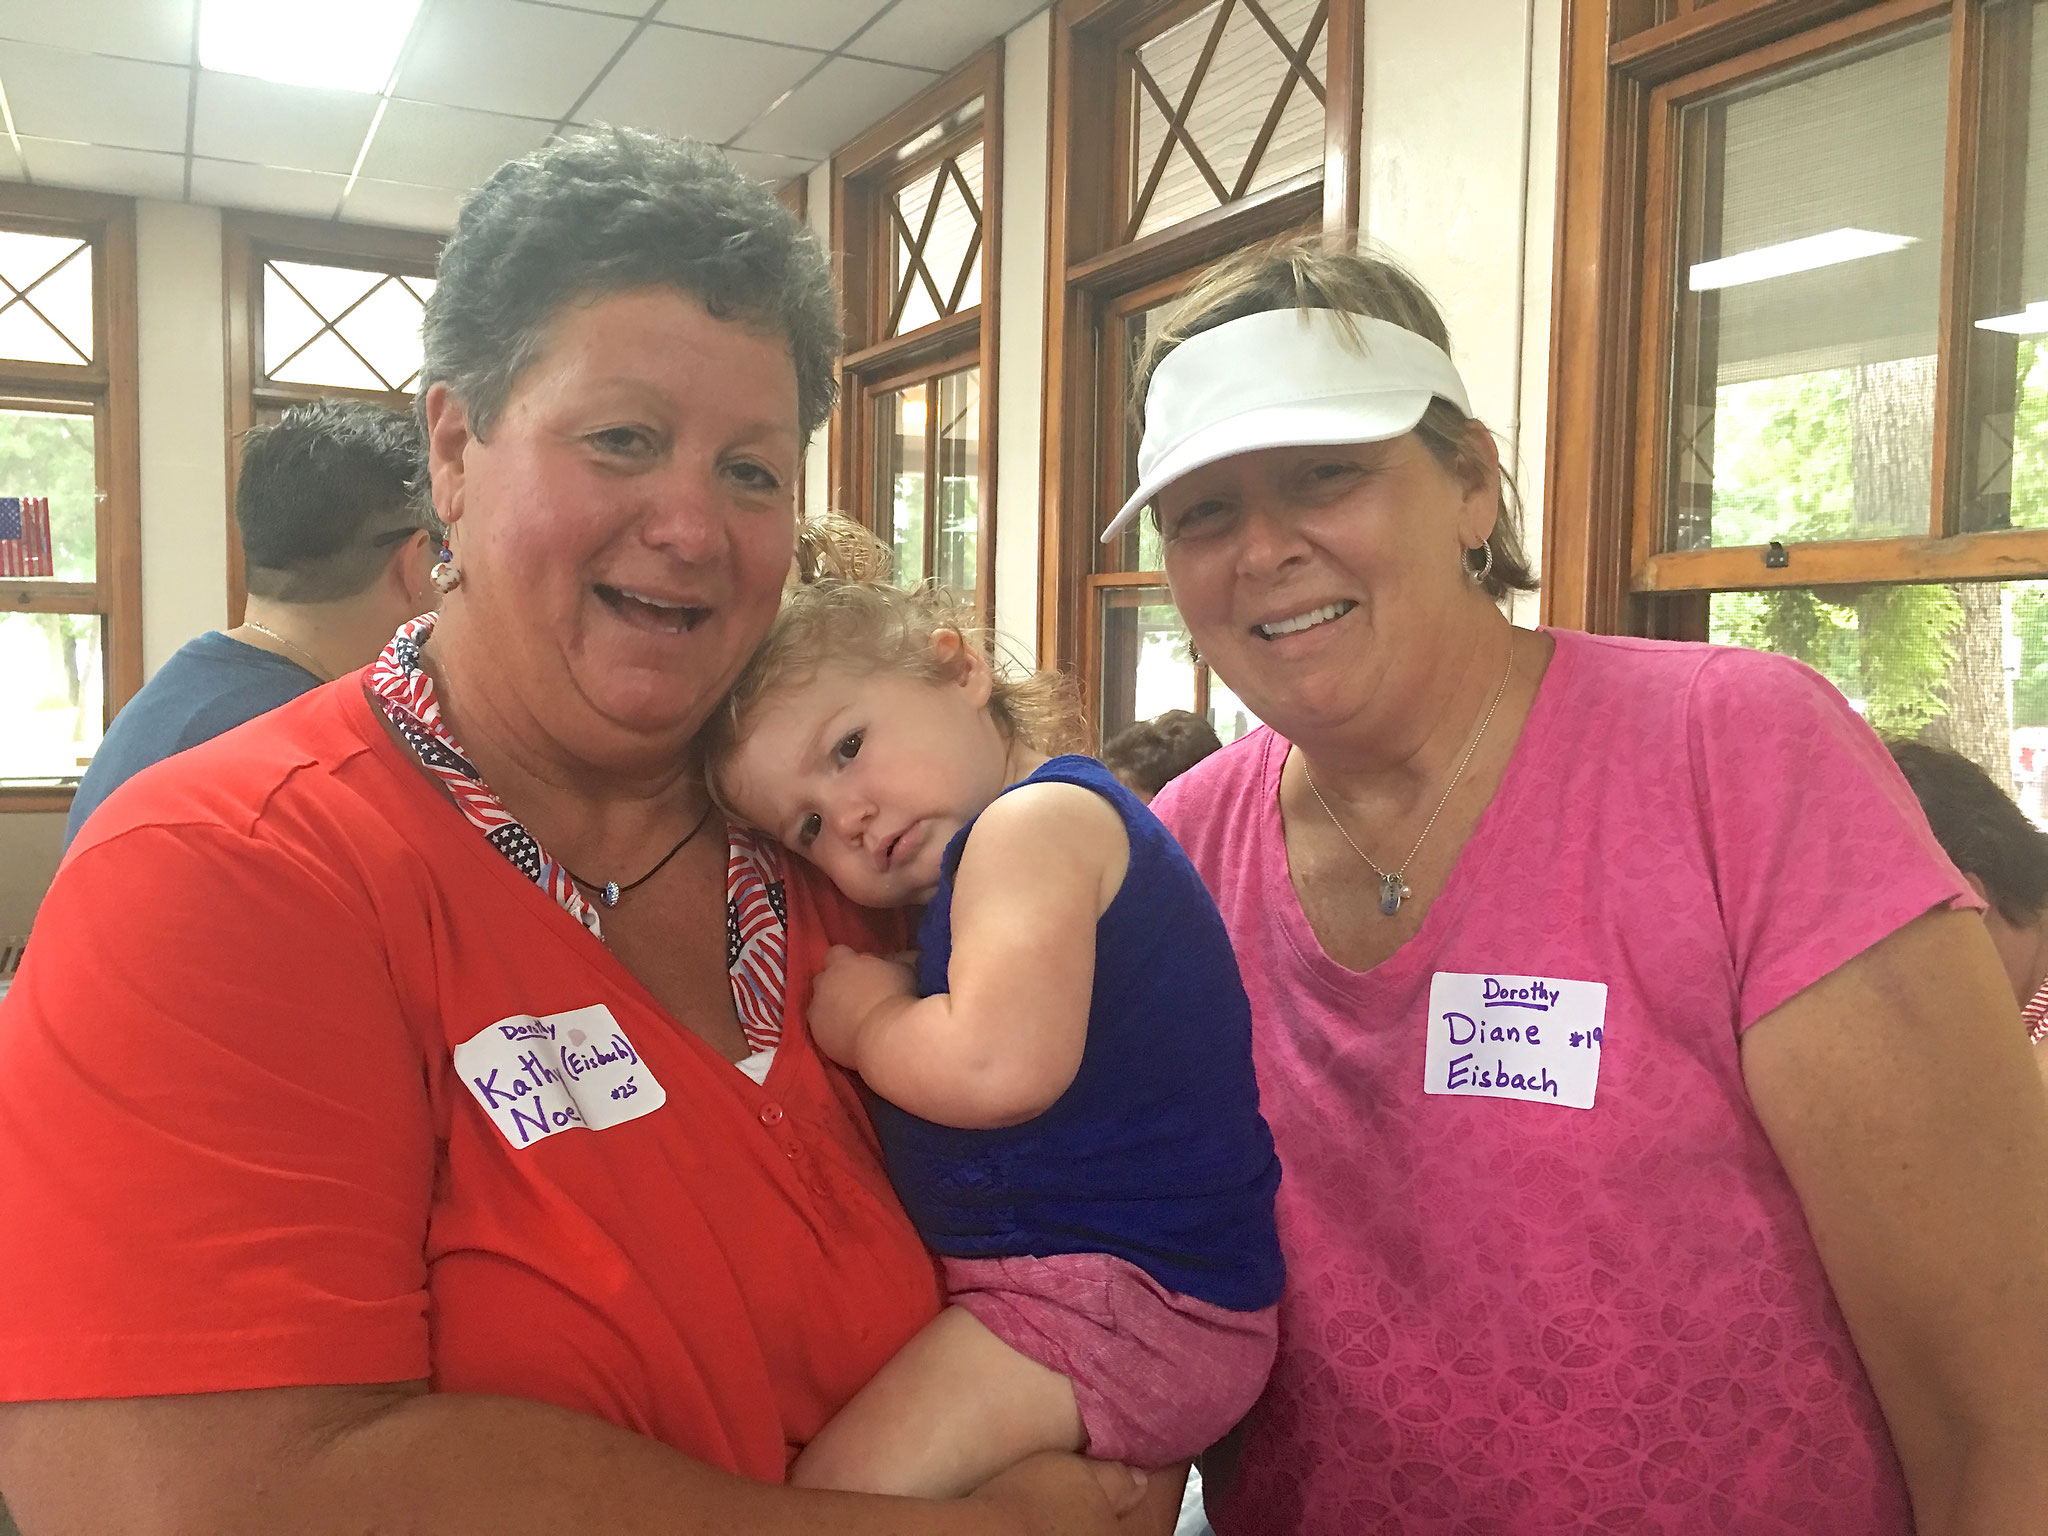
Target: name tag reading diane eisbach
(1515,1037)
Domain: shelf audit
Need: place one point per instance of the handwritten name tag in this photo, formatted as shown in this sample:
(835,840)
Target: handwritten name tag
(536,1076)
(1515,1037)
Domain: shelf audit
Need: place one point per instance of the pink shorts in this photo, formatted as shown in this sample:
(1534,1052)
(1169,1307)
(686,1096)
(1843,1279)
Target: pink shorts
(1159,1377)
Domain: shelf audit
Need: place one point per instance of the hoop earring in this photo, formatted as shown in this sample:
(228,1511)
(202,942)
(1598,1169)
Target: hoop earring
(1485,568)
(445,576)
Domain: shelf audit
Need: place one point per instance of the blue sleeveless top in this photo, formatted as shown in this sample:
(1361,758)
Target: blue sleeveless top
(1156,1153)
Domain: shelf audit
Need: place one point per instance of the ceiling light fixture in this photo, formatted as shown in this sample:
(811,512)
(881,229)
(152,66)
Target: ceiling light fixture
(2031,321)
(1824,250)
(339,45)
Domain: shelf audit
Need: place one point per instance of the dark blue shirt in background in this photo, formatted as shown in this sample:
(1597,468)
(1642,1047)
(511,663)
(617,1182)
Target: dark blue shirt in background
(211,685)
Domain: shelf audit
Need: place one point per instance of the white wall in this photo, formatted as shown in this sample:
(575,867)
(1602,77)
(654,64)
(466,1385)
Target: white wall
(1020,339)
(818,460)
(1460,138)
(182,398)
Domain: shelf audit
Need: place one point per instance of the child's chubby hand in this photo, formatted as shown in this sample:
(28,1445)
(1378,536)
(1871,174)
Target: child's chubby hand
(849,992)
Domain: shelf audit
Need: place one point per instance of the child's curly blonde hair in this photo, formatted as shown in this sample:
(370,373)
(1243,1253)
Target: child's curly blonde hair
(841,610)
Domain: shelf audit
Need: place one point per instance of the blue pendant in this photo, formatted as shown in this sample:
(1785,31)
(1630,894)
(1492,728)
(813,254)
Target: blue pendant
(1392,894)
(611,893)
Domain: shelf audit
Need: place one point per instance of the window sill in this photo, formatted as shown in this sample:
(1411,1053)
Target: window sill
(36,797)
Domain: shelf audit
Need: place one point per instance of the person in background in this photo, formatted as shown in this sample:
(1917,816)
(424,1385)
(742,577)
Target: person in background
(2003,855)
(1151,754)
(336,559)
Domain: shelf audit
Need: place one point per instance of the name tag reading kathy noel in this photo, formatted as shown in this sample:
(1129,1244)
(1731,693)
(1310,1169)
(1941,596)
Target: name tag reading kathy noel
(536,1076)
(1515,1037)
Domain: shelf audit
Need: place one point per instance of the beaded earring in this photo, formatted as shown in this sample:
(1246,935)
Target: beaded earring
(445,576)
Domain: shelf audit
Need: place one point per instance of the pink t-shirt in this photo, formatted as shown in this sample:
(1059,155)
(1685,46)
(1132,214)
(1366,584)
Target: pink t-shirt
(1507,1313)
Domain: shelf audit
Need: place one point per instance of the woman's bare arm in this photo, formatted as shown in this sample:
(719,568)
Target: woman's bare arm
(1901,1097)
(342,1461)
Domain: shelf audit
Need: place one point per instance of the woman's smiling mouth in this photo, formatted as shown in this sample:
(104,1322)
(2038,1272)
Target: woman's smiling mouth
(644,611)
(1301,621)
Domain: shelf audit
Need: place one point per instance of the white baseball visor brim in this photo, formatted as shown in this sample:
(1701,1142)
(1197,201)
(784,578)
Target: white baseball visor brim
(1284,378)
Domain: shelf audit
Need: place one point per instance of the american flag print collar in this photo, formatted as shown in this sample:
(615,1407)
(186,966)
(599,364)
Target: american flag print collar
(756,899)
(404,688)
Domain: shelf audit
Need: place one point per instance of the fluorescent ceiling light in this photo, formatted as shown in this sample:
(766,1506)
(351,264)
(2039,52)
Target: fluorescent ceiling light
(1826,250)
(342,45)
(2031,321)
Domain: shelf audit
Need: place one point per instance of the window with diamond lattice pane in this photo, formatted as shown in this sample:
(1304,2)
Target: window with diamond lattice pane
(936,217)
(1227,102)
(342,327)
(45,298)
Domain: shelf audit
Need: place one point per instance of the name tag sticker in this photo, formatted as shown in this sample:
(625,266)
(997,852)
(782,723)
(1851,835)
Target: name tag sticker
(539,1075)
(1515,1037)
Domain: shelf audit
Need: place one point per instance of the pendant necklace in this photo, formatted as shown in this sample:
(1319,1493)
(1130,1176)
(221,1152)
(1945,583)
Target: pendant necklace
(610,891)
(312,666)
(1393,887)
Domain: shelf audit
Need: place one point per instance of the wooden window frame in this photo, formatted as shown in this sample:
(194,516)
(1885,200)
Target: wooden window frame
(248,240)
(1092,272)
(1630,67)
(865,175)
(108,386)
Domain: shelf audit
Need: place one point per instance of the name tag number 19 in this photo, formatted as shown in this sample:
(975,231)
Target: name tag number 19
(1536,1038)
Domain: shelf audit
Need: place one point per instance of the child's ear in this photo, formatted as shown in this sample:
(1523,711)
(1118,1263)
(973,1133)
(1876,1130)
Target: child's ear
(963,664)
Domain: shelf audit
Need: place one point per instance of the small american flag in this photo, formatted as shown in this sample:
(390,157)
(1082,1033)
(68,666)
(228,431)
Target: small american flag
(25,536)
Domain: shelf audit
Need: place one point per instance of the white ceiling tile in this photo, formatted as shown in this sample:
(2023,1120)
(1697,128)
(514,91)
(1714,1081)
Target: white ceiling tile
(500,56)
(830,108)
(10,162)
(289,126)
(445,146)
(694,83)
(60,95)
(940,33)
(227,185)
(820,24)
(633,8)
(136,29)
(409,207)
(132,172)
(773,169)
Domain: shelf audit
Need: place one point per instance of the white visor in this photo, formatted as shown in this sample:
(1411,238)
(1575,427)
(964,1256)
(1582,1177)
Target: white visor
(1284,378)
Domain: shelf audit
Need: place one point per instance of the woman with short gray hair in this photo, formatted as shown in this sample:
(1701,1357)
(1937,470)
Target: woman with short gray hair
(407,1119)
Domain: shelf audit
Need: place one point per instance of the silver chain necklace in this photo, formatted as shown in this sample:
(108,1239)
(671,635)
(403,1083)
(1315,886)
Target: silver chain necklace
(312,666)
(1393,886)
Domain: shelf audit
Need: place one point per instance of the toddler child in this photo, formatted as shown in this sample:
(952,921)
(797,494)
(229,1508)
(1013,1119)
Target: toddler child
(1062,1086)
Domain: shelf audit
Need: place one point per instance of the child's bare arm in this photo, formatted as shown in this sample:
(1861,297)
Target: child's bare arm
(1005,1041)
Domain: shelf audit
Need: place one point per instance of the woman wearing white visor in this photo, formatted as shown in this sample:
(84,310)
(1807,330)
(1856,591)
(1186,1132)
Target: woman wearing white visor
(1660,1151)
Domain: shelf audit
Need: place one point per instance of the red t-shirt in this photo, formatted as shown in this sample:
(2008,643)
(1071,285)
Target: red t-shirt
(238,1147)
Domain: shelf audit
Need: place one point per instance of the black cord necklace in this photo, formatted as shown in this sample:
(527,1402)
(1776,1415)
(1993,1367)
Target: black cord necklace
(610,891)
